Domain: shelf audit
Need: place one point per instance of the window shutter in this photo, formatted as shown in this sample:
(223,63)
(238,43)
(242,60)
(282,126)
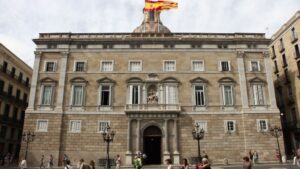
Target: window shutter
(255,94)
(258,125)
(220,66)
(139,94)
(258,65)
(250,66)
(85,66)
(229,66)
(130,94)
(225,126)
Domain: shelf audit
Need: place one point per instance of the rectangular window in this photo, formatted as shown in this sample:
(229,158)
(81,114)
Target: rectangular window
(286,74)
(42,126)
(77,95)
(105,95)
(10,90)
(202,125)
(27,81)
(103,125)
(198,65)
(107,66)
(135,66)
(13,72)
(273,51)
(294,35)
(200,95)
(20,77)
(50,67)
(254,66)
(281,47)
(171,94)
(75,126)
(262,125)
(4,68)
(230,126)
(284,60)
(79,66)
(3,132)
(169,65)
(6,110)
(298,66)
(227,95)
(258,94)
(47,95)
(15,113)
(297,52)
(275,67)
(224,66)
(1,86)
(18,94)
(135,94)
(25,97)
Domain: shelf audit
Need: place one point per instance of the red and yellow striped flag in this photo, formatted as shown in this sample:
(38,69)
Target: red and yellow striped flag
(160,5)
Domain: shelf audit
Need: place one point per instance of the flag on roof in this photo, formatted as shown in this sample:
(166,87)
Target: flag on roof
(160,5)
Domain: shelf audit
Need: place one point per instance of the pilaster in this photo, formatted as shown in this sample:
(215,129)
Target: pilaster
(268,68)
(242,79)
(176,154)
(128,160)
(62,81)
(166,154)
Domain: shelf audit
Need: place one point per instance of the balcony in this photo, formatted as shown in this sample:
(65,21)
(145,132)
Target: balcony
(10,121)
(13,76)
(152,108)
(12,100)
(294,38)
(281,48)
(296,55)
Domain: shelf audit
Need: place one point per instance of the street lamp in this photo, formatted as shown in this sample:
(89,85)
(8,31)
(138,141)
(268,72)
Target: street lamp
(276,132)
(108,136)
(27,138)
(198,134)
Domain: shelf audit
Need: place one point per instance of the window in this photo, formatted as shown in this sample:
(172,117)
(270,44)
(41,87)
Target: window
(230,126)
(275,67)
(169,65)
(105,95)
(202,125)
(135,92)
(75,126)
(284,60)
(286,74)
(25,97)
(273,51)
(258,94)
(294,35)
(298,66)
(135,66)
(254,66)
(47,95)
(50,67)
(15,113)
(171,94)
(200,95)
(107,66)
(103,125)
(27,81)
(6,110)
(80,66)
(224,66)
(13,71)
(281,46)
(18,94)
(151,17)
(78,95)
(10,90)
(297,52)
(227,95)
(262,125)
(197,65)
(3,132)
(1,86)
(4,68)
(42,126)
(20,77)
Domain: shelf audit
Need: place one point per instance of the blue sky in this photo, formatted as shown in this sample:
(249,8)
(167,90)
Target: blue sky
(23,20)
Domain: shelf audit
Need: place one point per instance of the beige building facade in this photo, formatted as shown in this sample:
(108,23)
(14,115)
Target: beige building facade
(151,87)
(15,76)
(285,55)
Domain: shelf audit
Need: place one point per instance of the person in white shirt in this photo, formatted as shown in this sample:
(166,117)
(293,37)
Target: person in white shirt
(23,164)
(68,165)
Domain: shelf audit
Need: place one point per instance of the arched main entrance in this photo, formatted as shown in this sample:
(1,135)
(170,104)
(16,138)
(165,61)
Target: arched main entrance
(152,145)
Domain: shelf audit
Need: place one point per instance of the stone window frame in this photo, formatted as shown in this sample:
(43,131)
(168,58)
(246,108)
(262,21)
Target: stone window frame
(70,126)
(78,82)
(220,66)
(226,123)
(112,65)
(135,81)
(227,81)
(258,64)
(205,128)
(85,66)
(192,65)
(129,65)
(170,82)
(259,127)
(47,82)
(164,65)
(105,82)
(99,125)
(257,81)
(37,125)
(199,82)
(54,67)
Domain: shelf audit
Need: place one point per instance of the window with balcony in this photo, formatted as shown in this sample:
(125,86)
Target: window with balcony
(287,76)
(102,125)
(18,94)
(198,65)
(254,66)
(13,72)
(297,52)
(47,95)
(42,125)
(284,60)
(27,82)
(20,78)
(294,36)
(262,125)
(230,126)
(4,68)
(50,66)
(75,126)
(258,94)
(171,94)
(135,66)
(224,66)
(6,110)
(107,66)
(25,97)
(10,90)
(169,65)
(273,52)
(80,66)
(227,95)
(281,45)
(275,67)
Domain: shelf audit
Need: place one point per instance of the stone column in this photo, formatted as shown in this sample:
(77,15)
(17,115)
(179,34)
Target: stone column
(62,81)
(268,69)
(243,82)
(128,152)
(166,151)
(34,80)
(138,135)
(176,153)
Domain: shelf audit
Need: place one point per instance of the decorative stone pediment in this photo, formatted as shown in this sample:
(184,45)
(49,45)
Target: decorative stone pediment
(134,80)
(48,80)
(226,80)
(152,77)
(257,80)
(170,80)
(106,80)
(199,80)
(78,80)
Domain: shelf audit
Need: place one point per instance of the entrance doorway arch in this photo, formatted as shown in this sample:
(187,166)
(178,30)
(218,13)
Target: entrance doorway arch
(152,145)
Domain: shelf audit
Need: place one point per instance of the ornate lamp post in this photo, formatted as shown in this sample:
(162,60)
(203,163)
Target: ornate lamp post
(276,132)
(108,136)
(198,134)
(27,138)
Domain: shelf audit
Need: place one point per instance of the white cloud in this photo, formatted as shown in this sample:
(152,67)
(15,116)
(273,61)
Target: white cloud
(22,20)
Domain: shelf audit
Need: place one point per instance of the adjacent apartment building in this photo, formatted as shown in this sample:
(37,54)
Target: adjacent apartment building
(151,87)
(285,54)
(15,76)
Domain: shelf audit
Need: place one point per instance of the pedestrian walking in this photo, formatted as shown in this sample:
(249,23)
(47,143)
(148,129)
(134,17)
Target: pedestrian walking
(255,157)
(65,159)
(294,157)
(247,164)
(204,155)
(23,164)
(251,155)
(68,165)
(118,162)
(137,162)
(50,162)
(185,164)
(169,163)
(92,164)
(42,162)
(204,165)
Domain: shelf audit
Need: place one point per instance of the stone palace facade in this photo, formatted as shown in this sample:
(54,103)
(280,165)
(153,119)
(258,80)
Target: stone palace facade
(151,86)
